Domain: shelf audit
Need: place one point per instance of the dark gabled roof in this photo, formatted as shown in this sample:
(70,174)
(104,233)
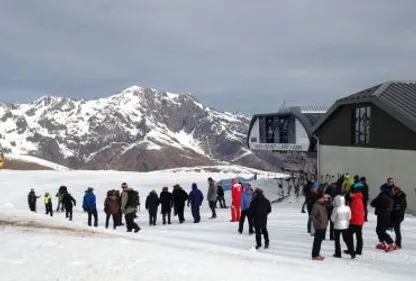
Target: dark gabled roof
(396,98)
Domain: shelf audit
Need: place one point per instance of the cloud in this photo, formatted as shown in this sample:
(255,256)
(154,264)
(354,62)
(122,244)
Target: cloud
(236,55)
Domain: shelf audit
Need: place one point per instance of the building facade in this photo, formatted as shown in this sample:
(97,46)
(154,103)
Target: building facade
(373,134)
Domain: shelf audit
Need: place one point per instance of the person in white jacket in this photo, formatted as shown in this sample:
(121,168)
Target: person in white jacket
(341,216)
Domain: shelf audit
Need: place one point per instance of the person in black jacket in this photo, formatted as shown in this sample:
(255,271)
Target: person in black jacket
(383,205)
(260,208)
(31,200)
(68,202)
(220,196)
(365,192)
(397,215)
(179,199)
(165,199)
(152,204)
(310,200)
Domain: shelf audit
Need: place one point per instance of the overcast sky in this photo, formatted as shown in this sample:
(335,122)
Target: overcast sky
(238,55)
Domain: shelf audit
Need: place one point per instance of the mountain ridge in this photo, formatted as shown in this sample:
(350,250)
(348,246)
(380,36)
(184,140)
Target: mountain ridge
(138,128)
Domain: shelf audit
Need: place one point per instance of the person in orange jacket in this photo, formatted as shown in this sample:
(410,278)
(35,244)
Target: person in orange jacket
(236,191)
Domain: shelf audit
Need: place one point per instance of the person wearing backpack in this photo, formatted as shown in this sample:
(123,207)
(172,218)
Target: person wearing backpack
(90,205)
(166,202)
(128,207)
(68,202)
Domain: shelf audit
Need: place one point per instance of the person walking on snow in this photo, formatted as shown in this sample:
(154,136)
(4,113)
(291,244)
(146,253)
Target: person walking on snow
(260,208)
(31,200)
(341,215)
(236,191)
(220,197)
(68,202)
(195,199)
(166,202)
(128,208)
(212,197)
(90,205)
(246,199)
(319,216)
(48,204)
(397,215)
(152,204)
(111,208)
(179,197)
(357,219)
(383,204)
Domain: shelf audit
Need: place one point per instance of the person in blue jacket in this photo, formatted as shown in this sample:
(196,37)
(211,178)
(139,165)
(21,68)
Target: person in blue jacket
(246,198)
(195,199)
(89,204)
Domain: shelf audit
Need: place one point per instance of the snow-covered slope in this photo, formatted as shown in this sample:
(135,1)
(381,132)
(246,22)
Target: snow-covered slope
(37,247)
(33,160)
(136,129)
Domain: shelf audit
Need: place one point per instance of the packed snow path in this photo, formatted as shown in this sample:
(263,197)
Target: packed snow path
(44,248)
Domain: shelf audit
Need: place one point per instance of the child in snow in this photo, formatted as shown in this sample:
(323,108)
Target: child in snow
(48,204)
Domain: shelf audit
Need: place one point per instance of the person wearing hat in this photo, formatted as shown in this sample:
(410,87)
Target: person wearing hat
(166,204)
(48,204)
(152,204)
(212,197)
(365,192)
(319,216)
(179,197)
(128,208)
(90,205)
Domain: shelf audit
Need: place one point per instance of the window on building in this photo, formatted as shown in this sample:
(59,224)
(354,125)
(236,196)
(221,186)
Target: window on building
(361,123)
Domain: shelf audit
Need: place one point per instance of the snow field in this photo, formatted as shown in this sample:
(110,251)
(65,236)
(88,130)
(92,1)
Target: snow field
(211,250)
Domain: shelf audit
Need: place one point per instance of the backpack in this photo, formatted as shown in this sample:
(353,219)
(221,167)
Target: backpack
(133,199)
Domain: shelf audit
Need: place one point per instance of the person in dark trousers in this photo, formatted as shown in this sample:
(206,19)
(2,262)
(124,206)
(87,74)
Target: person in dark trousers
(128,208)
(179,200)
(260,208)
(120,213)
(111,208)
(366,196)
(166,204)
(212,197)
(246,199)
(90,205)
(329,207)
(310,200)
(221,197)
(68,202)
(341,215)
(31,200)
(397,215)
(357,219)
(383,204)
(152,204)
(195,198)
(48,204)
(319,216)
(61,191)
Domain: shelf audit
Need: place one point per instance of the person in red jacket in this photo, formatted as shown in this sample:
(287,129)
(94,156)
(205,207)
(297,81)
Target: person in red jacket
(357,218)
(236,191)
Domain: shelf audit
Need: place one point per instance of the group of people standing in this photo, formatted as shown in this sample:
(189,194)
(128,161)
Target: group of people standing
(343,205)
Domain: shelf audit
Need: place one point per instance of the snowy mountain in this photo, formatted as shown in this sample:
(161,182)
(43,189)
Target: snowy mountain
(139,129)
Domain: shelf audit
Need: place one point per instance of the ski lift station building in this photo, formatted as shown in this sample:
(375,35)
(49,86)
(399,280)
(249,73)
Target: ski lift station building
(289,129)
(372,133)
